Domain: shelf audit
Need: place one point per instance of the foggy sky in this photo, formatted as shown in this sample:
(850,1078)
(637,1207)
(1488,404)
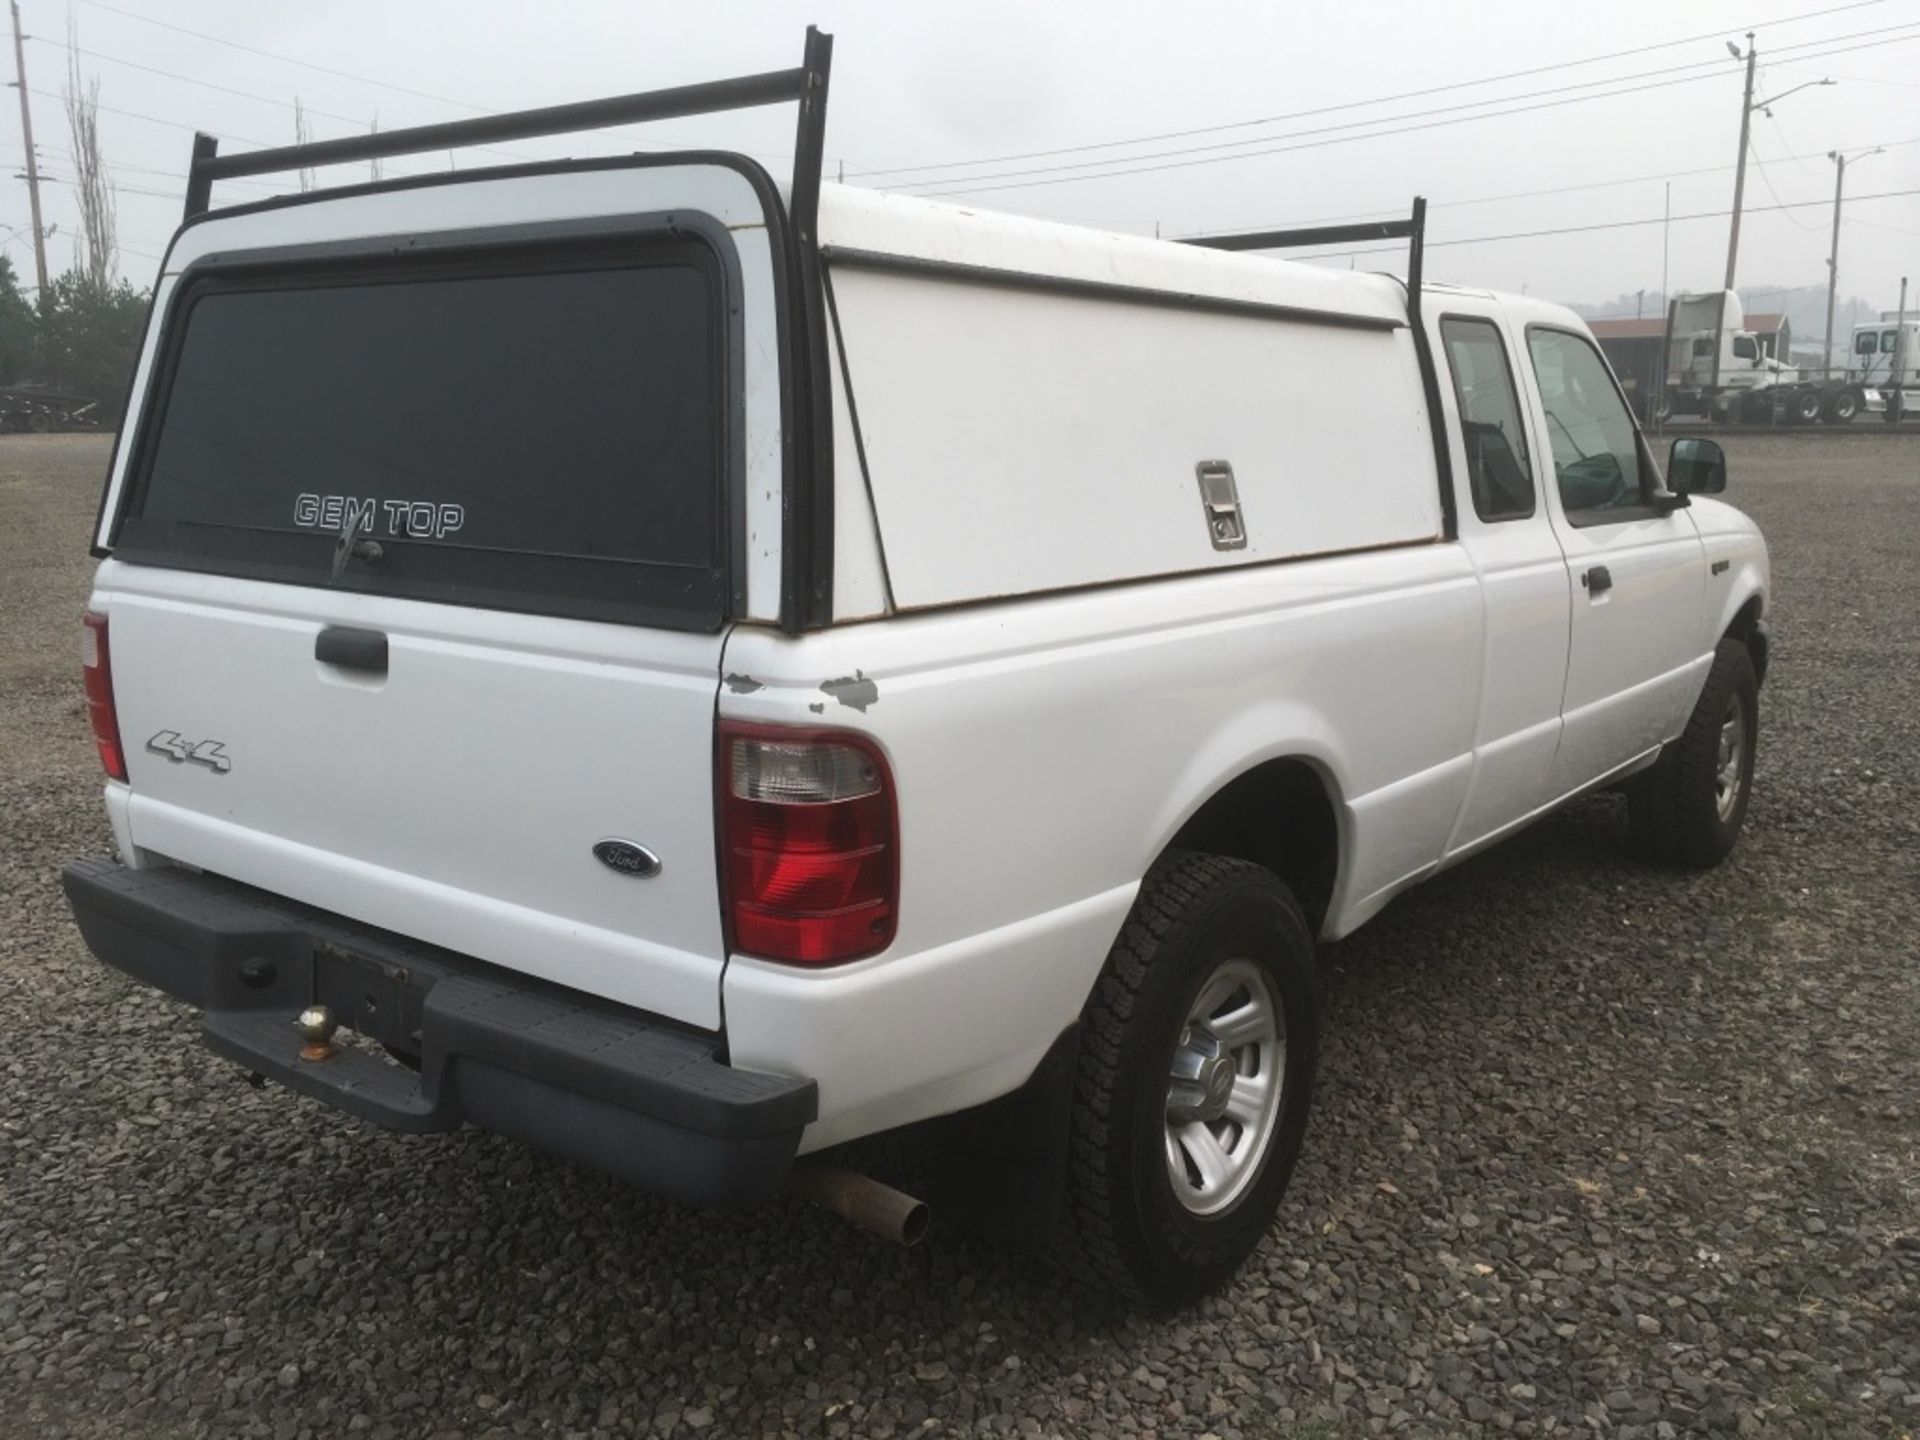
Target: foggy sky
(923,84)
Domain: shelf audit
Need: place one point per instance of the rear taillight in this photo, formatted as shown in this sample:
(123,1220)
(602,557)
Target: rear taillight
(98,673)
(809,843)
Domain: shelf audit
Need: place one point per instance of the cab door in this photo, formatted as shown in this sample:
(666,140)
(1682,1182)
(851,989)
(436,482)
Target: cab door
(1523,575)
(1635,564)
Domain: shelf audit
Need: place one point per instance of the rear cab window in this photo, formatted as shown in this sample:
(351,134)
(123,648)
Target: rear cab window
(1498,471)
(539,430)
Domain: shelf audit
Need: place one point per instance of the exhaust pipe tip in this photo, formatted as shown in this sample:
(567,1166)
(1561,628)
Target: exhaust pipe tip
(863,1202)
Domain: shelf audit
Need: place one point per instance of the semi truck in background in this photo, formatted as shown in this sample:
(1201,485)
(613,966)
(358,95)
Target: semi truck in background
(1885,355)
(1717,368)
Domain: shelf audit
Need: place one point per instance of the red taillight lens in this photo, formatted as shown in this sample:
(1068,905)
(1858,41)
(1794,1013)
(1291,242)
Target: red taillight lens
(809,844)
(98,673)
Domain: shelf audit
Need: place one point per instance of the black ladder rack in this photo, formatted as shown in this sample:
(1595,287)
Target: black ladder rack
(806,84)
(806,585)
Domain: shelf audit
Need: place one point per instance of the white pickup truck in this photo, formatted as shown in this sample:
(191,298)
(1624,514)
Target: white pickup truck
(688,671)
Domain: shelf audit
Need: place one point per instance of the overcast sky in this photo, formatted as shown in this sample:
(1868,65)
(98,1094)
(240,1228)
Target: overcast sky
(917,85)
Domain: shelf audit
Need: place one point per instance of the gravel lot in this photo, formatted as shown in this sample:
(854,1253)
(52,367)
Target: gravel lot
(1598,1148)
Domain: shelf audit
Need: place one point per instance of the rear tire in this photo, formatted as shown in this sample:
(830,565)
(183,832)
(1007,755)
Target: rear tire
(1843,407)
(1688,809)
(1208,1002)
(1806,407)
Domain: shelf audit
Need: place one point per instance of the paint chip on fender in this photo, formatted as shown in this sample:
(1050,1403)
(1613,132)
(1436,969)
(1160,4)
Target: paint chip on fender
(855,690)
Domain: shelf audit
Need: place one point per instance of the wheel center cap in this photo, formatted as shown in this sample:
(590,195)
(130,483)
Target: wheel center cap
(1216,1085)
(1219,1081)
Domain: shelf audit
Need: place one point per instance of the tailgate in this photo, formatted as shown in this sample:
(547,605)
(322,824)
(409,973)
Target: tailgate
(458,797)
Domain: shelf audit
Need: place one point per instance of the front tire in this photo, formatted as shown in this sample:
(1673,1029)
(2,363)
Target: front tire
(1197,1056)
(1688,809)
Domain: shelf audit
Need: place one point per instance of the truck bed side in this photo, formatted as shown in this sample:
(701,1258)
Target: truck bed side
(1046,751)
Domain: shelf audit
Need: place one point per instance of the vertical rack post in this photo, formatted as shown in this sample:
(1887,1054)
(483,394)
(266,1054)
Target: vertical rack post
(1429,372)
(199,183)
(806,579)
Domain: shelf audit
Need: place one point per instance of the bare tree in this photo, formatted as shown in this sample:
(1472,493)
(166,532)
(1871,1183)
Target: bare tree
(302,135)
(98,220)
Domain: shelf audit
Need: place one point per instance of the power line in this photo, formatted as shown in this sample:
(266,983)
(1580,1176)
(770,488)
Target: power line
(1359,104)
(174,174)
(93,54)
(154,119)
(122,167)
(1880,225)
(1609,225)
(284,59)
(1767,180)
(1380,213)
(973,185)
(387,84)
(1863,79)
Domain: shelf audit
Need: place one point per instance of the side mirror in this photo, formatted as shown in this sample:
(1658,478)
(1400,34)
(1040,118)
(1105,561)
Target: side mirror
(1696,466)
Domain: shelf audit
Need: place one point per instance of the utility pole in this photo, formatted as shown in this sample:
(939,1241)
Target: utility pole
(1897,401)
(33,164)
(1833,255)
(1740,169)
(1747,106)
(1666,303)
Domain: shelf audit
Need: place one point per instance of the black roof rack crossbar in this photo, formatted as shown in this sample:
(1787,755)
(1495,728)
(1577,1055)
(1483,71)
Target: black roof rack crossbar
(1317,235)
(774,87)
(806,572)
(1414,231)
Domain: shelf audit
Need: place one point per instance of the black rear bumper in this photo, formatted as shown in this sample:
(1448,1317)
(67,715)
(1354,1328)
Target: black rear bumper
(632,1094)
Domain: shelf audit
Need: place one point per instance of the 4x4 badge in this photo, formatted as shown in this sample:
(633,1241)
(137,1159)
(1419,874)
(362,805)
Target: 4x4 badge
(210,753)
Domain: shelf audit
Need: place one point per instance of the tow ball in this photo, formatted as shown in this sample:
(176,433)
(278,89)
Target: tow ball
(316,1026)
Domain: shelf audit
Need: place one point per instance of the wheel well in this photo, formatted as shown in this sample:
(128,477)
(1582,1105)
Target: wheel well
(1279,814)
(1747,630)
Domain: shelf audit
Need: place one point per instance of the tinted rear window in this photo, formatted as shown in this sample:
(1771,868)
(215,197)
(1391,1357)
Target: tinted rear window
(521,438)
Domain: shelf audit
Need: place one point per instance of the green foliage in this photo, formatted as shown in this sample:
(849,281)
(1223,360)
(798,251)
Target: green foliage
(81,338)
(89,337)
(17,330)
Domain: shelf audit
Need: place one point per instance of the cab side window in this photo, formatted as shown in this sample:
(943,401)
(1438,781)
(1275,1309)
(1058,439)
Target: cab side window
(1498,471)
(1596,451)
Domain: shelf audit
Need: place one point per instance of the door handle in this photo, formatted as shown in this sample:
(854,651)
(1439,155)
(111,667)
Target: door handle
(352,649)
(1597,580)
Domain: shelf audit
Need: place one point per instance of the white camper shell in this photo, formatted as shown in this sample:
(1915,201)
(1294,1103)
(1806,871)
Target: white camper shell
(702,670)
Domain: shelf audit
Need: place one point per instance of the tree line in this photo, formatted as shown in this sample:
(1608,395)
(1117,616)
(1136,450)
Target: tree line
(81,336)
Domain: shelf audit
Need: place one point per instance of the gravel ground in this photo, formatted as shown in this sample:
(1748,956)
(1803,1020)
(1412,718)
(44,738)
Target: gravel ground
(1598,1148)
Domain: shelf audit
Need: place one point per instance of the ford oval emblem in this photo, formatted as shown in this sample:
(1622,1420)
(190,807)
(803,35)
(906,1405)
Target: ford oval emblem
(627,858)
